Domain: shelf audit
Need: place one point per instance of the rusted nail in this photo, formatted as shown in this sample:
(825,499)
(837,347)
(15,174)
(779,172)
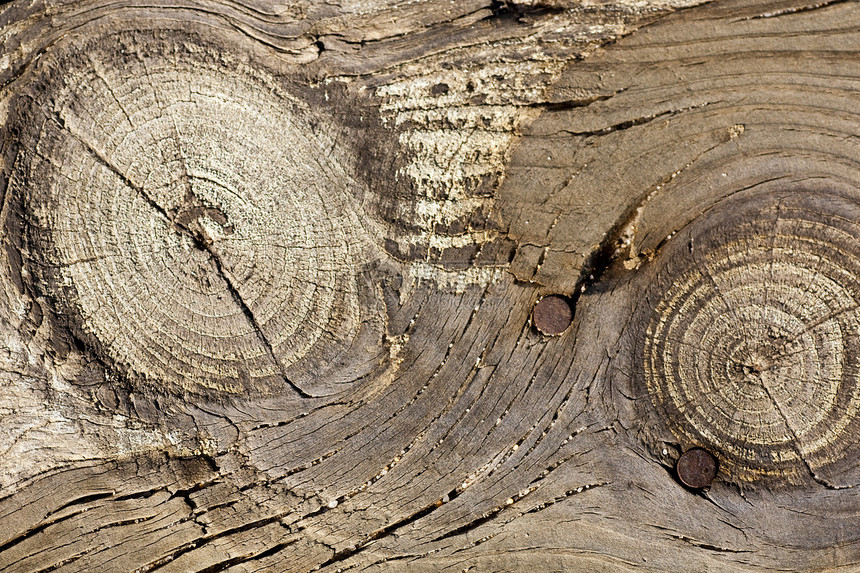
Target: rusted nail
(552,315)
(696,468)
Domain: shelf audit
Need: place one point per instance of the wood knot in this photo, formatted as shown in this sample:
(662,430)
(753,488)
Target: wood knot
(752,347)
(192,220)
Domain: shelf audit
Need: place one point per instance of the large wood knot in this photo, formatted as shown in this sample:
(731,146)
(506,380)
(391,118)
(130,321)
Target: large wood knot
(191,219)
(752,348)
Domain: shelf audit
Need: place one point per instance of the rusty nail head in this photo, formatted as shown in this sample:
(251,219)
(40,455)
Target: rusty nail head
(696,468)
(552,315)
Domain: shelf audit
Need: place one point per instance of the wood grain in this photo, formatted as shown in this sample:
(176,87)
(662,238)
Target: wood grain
(270,268)
(171,245)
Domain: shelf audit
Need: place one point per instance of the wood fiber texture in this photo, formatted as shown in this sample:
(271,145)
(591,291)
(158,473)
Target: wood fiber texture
(269,272)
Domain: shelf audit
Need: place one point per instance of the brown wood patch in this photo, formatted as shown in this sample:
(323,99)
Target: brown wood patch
(270,275)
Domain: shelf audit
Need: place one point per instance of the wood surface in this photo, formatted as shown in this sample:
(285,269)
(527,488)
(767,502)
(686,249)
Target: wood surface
(268,273)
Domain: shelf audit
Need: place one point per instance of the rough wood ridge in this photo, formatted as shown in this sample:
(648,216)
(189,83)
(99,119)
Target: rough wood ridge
(268,273)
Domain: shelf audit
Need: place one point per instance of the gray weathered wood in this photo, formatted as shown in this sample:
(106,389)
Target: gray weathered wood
(269,267)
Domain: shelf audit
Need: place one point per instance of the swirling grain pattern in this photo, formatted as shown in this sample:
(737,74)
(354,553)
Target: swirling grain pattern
(186,218)
(752,350)
(270,272)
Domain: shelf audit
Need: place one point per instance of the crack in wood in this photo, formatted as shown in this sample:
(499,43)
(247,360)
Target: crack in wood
(795,10)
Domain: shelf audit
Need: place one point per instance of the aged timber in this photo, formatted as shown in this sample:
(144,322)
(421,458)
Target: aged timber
(397,286)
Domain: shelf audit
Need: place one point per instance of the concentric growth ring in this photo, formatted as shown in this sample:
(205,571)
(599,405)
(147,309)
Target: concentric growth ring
(753,349)
(188,216)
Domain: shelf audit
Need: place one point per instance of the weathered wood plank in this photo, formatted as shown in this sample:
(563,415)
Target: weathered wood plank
(269,268)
